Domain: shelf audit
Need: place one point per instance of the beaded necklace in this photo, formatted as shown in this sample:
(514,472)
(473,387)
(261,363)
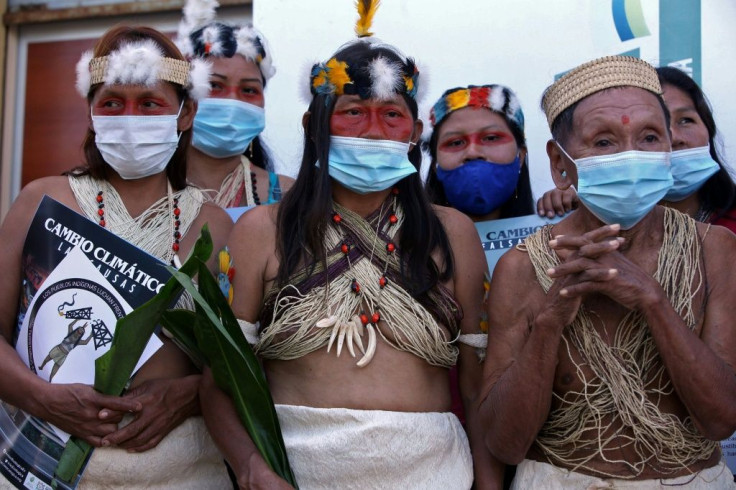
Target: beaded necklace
(352,330)
(173,210)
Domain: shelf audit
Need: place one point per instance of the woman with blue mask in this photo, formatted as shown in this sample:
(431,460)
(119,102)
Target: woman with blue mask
(479,156)
(479,164)
(141,98)
(227,154)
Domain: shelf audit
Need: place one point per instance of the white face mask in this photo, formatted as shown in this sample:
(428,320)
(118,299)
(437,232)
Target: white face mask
(136,146)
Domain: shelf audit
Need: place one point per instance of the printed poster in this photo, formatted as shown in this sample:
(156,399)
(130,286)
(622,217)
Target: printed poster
(499,235)
(78,279)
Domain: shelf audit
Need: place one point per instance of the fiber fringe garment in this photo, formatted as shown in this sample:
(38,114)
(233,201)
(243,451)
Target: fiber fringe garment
(186,458)
(361,449)
(239,182)
(542,476)
(153,230)
(289,315)
(629,375)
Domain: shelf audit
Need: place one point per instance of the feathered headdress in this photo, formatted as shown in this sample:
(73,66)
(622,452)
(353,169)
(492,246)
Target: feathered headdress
(366,66)
(200,36)
(141,63)
(494,97)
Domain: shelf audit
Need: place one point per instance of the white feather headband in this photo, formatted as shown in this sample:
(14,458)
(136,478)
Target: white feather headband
(199,35)
(142,63)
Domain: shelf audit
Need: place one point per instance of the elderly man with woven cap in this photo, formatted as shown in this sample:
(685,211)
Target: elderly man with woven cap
(612,345)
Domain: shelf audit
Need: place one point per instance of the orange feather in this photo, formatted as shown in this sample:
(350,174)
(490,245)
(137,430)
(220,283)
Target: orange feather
(366,11)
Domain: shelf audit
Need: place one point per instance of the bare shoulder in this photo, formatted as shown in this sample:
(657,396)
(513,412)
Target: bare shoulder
(285,182)
(456,224)
(25,205)
(719,249)
(259,221)
(56,187)
(218,221)
(512,277)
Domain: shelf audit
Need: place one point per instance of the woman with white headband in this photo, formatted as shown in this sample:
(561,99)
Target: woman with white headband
(142,97)
(227,154)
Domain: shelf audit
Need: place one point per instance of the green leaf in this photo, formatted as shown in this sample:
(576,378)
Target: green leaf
(236,369)
(115,367)
(182,324)
(71,460)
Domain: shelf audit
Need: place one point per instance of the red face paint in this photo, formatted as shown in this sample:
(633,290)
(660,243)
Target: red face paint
(625,119)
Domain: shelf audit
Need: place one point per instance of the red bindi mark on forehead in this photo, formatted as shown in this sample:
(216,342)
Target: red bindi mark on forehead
(625,119)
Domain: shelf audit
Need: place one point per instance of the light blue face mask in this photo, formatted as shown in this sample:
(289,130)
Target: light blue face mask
(690,169)
(624,187)
(365,165)
(225,127)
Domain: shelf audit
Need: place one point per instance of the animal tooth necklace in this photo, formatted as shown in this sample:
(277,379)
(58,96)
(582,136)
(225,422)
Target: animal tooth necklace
(352,330)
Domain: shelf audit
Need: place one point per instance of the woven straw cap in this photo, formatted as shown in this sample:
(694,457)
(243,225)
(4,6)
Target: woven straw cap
(597,75)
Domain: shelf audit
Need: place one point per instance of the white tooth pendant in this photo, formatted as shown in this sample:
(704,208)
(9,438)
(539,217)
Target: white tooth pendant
(371,346)
(371,324)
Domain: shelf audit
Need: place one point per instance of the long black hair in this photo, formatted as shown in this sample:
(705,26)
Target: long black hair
(718,194)
(519,204)
(305,210)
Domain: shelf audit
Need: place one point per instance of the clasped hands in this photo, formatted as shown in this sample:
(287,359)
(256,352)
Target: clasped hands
(594,264)
(156,406)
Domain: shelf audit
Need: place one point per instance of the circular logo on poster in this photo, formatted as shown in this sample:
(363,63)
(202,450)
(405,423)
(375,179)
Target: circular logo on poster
(71,314)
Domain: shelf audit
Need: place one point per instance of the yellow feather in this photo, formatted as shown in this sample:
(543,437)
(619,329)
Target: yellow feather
(366,11)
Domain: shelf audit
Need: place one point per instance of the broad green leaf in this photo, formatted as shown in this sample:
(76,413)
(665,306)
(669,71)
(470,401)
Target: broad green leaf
(181,324)
(115,367)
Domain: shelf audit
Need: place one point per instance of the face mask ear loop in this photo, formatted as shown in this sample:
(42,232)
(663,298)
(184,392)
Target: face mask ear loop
(564,173)
(178,136)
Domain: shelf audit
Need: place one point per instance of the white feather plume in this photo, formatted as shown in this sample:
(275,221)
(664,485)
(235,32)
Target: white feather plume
(514,105)
(497,99)
(197,13)
(134,63)
(386,78)
(422,83)
(199,78)
(247,38)
(83,74)
(211,37)
(246,46)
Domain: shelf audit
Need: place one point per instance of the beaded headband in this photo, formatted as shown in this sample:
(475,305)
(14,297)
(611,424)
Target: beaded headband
(373,76)
(494,97)
(141,63)
(597,75)
(200,36)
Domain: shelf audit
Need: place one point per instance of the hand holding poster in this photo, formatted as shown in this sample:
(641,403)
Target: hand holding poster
(78,279)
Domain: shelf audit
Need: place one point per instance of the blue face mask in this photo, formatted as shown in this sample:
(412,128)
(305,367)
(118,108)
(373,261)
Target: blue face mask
(225,127)
(365,165)
(623,187)
(690,169)
(478,187)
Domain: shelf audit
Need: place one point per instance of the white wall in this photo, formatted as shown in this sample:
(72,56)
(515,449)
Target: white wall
(519,43)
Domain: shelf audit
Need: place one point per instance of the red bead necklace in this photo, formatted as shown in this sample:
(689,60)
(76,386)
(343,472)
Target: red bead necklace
(175,215)
(374,317)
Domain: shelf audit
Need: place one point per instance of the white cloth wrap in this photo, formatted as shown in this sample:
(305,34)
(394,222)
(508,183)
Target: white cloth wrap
(186,458)
(359,449)
(543,476)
